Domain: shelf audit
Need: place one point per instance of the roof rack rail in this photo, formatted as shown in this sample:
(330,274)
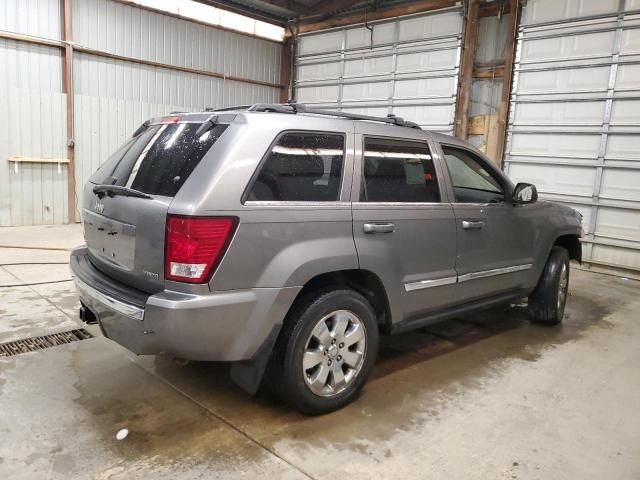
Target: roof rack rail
(293,107)
(227,109)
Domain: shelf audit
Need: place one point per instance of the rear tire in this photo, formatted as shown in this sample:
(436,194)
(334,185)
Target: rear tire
(325,351)
(547,302)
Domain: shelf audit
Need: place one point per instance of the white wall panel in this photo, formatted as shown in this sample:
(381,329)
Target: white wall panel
(31,125)
(133,32)
(31,17)
(549,10)
(408,67)
(574,122)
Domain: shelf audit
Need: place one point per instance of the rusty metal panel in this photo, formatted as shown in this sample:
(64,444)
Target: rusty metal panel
(574,118)
(407,66)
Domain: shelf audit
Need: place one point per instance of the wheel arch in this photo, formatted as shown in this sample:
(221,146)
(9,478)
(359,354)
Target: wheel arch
(570,242)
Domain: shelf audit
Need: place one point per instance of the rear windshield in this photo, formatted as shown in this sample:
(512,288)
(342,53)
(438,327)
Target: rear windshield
(159,160)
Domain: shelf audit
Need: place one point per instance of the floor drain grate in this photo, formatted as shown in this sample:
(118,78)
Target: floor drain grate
(39,343)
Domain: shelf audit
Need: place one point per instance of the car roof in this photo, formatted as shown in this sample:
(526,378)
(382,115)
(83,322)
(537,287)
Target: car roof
(313,121)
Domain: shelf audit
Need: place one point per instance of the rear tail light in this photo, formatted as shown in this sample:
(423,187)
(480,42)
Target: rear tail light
(195,245)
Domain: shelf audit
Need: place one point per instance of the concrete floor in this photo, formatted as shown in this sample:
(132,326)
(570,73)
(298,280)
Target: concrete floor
(487,396)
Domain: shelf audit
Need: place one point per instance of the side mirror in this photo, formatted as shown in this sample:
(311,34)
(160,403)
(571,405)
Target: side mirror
(524,193)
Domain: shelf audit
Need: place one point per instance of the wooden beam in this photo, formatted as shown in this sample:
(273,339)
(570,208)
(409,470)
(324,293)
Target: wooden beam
(329,7)
(494,9)
(286,70)
(67,88)
(380,14)
(466,70)
(292,5)
(496,71)
(247,12)
(509,53)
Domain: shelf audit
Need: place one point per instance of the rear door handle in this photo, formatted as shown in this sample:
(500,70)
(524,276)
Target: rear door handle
(378,227)
(472,225)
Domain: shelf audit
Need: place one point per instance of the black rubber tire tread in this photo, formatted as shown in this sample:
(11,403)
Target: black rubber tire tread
(284,375)
(544,299)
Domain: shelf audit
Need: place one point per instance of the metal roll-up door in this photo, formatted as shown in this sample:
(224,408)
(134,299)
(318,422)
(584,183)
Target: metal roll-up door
(407,66)
(574,122)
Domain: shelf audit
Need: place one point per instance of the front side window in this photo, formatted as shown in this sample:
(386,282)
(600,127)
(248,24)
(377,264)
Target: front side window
(301,167)
(398,170)
(472,183)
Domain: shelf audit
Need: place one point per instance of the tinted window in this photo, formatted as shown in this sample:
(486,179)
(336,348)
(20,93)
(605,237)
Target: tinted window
(472,183)
(160,159)
(398,171)
(301,167)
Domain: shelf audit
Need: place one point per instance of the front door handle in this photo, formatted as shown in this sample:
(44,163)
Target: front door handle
(378,227)
(472,225)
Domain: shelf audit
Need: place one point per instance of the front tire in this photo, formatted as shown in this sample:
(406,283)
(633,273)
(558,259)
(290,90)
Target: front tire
(325,351)
(547,302)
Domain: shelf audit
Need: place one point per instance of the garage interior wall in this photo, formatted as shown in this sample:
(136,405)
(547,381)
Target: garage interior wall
(112,96)
(574,128)
(407,66)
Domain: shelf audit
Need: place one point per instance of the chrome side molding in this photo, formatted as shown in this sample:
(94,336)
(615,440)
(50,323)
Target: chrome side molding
(492,272)
(439,282)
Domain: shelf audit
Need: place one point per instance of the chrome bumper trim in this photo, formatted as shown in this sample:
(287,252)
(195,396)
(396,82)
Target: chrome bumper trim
(126,309)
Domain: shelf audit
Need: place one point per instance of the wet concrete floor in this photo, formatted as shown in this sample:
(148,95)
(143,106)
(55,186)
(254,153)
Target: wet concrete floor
(485,396)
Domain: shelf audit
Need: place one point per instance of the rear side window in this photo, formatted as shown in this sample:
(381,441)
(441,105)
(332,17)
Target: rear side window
(160,159)
(301,167)
(398,171)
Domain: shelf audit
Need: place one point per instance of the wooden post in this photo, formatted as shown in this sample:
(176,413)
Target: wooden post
(466,70)
(67,88)
(286,69)
(507,79)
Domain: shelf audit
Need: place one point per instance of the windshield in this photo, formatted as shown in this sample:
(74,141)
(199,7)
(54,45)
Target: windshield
(159,160)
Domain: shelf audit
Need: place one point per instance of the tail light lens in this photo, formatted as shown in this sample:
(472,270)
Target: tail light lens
(195,245)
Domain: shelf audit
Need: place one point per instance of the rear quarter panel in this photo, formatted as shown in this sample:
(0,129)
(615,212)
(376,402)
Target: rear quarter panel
(276,244)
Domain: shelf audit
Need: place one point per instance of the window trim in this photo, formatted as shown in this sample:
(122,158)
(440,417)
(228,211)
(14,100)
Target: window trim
(431,150)
(487,165)
(244,199)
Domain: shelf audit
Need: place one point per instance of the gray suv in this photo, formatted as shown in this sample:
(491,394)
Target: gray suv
(286,239)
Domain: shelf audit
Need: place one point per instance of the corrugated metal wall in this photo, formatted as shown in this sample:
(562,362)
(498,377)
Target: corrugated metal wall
(574,127)
(33,117)
(407,66)
(111,96)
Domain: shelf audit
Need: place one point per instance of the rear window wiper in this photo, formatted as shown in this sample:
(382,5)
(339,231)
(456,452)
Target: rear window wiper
(112,190)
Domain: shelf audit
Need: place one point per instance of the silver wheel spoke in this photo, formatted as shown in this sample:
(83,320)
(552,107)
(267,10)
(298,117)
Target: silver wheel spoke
(342,321)
(311,359)
(338,378)
(355,335)
(319,380)
(351,359)
(322,333)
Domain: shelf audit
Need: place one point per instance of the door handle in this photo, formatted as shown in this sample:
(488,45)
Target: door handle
(378,227)
(472,225)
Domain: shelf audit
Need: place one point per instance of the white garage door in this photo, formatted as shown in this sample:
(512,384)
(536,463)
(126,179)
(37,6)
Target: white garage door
(574,127)
(406,66)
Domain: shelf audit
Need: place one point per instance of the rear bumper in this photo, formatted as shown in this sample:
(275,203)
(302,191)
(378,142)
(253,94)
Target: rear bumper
(220,326)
